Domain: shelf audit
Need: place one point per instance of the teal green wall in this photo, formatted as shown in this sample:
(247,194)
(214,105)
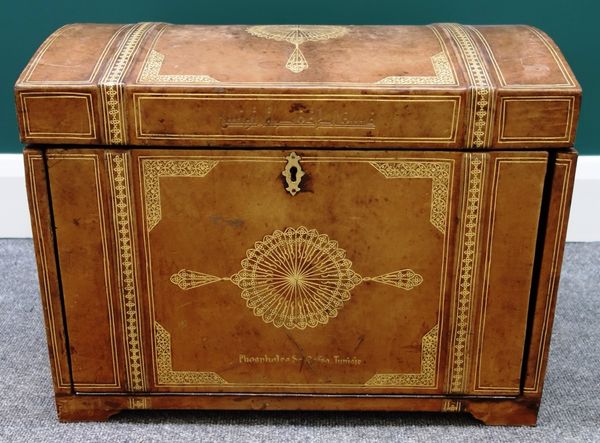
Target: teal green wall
(574,25)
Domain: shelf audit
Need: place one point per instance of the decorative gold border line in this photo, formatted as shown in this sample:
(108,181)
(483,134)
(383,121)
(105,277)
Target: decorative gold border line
(147,249)
(111,85)
(90,135)
(425,378)
(137,97)
(488,261)
(440,62)
(553,277)
(445,73)
(45,289)
(151,73)
(46,45)
(28,71)
(438,172)
(164,366)
(153,170)
(123,225)
(563,70)
(502,139)
(106,269)
(482,101)
(466,271)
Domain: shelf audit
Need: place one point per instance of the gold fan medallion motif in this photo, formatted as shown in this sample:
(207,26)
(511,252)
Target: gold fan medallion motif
(296,278)
(296,35)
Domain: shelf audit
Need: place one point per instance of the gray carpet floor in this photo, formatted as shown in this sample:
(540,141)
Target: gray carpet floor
(570,408)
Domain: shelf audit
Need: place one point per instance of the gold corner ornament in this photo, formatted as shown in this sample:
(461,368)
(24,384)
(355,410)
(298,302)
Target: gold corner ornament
(296,278)
(153,170)
(439,172)
(426,376)
(293,173)
(296,35)
(165,373)
(151,73)
(441,67)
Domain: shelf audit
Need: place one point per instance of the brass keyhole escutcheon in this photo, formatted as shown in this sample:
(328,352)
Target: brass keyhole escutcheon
(293,173)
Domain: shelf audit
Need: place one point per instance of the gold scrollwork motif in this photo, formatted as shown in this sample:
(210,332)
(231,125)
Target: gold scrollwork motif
(125,258)
(151,72)
(438,172)
(469,238)
(296,35)
(481,111)
(426,377)
(441,67)
(164,367)
(153,170)
(296,278)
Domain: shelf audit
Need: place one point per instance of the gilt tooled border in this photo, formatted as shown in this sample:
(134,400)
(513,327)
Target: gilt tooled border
(554,274)
(24,97)
(480,119)
(25,77)
(426,377)
(107,271)
(165,373)
(153,169)
(444,74)
(467,265)
(112,87)
(439,172)
(123,225)
(569,82)
(62,379)
(444,71)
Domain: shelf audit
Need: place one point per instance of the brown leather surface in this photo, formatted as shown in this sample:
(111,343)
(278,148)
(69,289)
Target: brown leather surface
(444,85)
(384,227)
(555,230)
(417,268)
(85,256)
(43,242)
(510,223)
(146,215)
(489,410)
(205,213)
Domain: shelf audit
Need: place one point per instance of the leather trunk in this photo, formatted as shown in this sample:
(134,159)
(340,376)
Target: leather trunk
(299,217)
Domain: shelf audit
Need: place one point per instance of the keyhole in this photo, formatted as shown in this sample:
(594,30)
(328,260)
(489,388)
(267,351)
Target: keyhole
(293,172)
